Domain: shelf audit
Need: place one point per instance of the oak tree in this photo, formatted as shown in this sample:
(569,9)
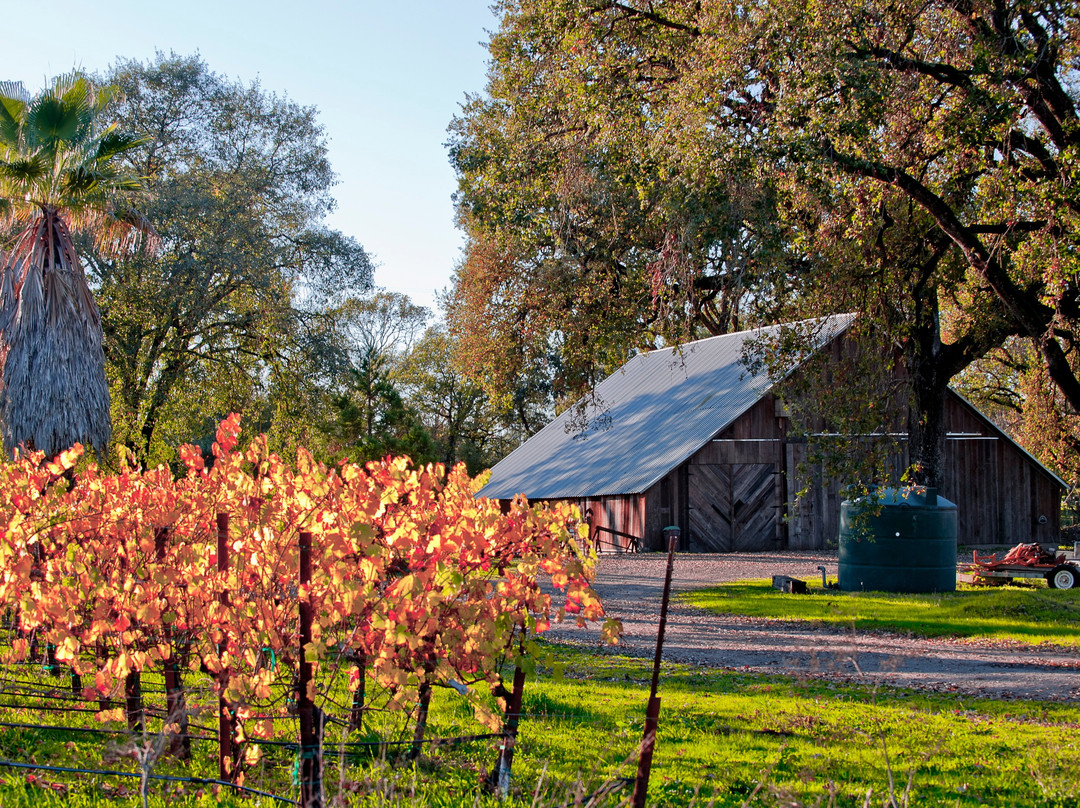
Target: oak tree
(235,310)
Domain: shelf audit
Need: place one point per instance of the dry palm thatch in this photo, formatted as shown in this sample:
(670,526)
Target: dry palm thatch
(54,390)
(59,166)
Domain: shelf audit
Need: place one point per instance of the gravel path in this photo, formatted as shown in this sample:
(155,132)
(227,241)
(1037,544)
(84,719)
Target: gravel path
(631,587)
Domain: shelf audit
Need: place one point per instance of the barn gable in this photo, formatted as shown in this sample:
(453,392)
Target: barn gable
(643,420)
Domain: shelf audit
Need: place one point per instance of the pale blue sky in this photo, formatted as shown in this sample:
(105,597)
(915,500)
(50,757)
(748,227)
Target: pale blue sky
(386,78)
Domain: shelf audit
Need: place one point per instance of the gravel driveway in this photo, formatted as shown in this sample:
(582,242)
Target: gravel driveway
(631,588)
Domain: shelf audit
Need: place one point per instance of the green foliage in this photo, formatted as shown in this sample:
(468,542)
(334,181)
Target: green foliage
(369,417)
(236,311)
(372,421)
(723,736)
(403,392)
(964,113)
(1031,614)
(459,415)
(1013,387)
(587,237)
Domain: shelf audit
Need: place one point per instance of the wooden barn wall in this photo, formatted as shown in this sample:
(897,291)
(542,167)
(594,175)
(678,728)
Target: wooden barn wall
(760,421)
(814,518)
(625,514)
(999,491)
(663,508)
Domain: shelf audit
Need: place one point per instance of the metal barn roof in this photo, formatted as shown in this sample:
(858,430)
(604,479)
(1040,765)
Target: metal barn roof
(644,419)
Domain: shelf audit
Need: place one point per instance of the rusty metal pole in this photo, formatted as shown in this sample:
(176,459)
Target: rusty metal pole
(226,719)
(652,712)
(310,753)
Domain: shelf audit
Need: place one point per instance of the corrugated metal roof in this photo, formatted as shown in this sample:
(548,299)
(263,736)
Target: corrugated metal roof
(644,420)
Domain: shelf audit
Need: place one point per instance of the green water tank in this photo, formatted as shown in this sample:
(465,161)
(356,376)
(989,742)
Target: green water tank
(898,540)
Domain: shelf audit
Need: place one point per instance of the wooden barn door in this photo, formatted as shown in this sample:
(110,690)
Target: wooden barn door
(732,507)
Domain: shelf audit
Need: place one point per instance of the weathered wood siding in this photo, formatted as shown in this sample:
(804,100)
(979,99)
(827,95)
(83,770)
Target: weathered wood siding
(1002,496)
(733,507)
(1000,492)
(624,514)
(665,506)
(736,486)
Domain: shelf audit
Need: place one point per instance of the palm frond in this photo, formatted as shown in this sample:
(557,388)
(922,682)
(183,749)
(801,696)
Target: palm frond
(114,142)
(104,97)
(15,91)
(124,230)
(13,102)
(52,121)
(26,170)
(12,109)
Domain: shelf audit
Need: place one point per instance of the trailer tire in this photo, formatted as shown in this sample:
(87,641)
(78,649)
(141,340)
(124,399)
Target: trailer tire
(1063,576)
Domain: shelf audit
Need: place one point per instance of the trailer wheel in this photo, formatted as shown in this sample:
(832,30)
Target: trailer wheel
(1063,576)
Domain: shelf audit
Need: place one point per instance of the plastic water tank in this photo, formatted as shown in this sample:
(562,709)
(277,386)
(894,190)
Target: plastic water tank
(898,540)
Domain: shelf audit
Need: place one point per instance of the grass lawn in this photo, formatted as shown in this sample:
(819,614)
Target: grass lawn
(1031,614)
(725,739)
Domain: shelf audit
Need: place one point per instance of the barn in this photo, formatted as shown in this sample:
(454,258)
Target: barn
(692,437)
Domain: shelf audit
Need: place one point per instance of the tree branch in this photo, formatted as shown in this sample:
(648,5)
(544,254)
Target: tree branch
(651,16)
(945,73)
(1033,316)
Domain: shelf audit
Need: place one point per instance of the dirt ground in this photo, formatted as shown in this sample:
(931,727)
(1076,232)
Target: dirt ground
(631,588)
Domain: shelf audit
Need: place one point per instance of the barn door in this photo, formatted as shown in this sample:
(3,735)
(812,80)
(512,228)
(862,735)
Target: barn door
(710,508)
(732,507)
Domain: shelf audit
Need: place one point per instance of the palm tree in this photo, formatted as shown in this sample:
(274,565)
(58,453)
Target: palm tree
(59,169)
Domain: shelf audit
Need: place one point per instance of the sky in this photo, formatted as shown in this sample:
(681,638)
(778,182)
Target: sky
(385,77)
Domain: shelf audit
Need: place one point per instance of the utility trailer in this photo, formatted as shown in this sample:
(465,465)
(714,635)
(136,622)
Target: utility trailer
(1023,561)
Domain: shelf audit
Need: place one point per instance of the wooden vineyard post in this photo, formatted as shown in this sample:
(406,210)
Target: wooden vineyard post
(500,778)
(652,712)
(175,706)
(310,742)
(101,656)
(422,707)
(356,714)
(49,663)
(227,755)
(133,704)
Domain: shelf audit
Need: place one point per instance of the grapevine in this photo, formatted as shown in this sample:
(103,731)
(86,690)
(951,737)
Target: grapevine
(411,573)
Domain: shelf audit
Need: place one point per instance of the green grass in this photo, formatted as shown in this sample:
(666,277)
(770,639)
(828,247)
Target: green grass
(723,737)
(1030,614)
(721,734)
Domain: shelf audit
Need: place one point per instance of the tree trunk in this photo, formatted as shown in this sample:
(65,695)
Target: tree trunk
(929,386)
